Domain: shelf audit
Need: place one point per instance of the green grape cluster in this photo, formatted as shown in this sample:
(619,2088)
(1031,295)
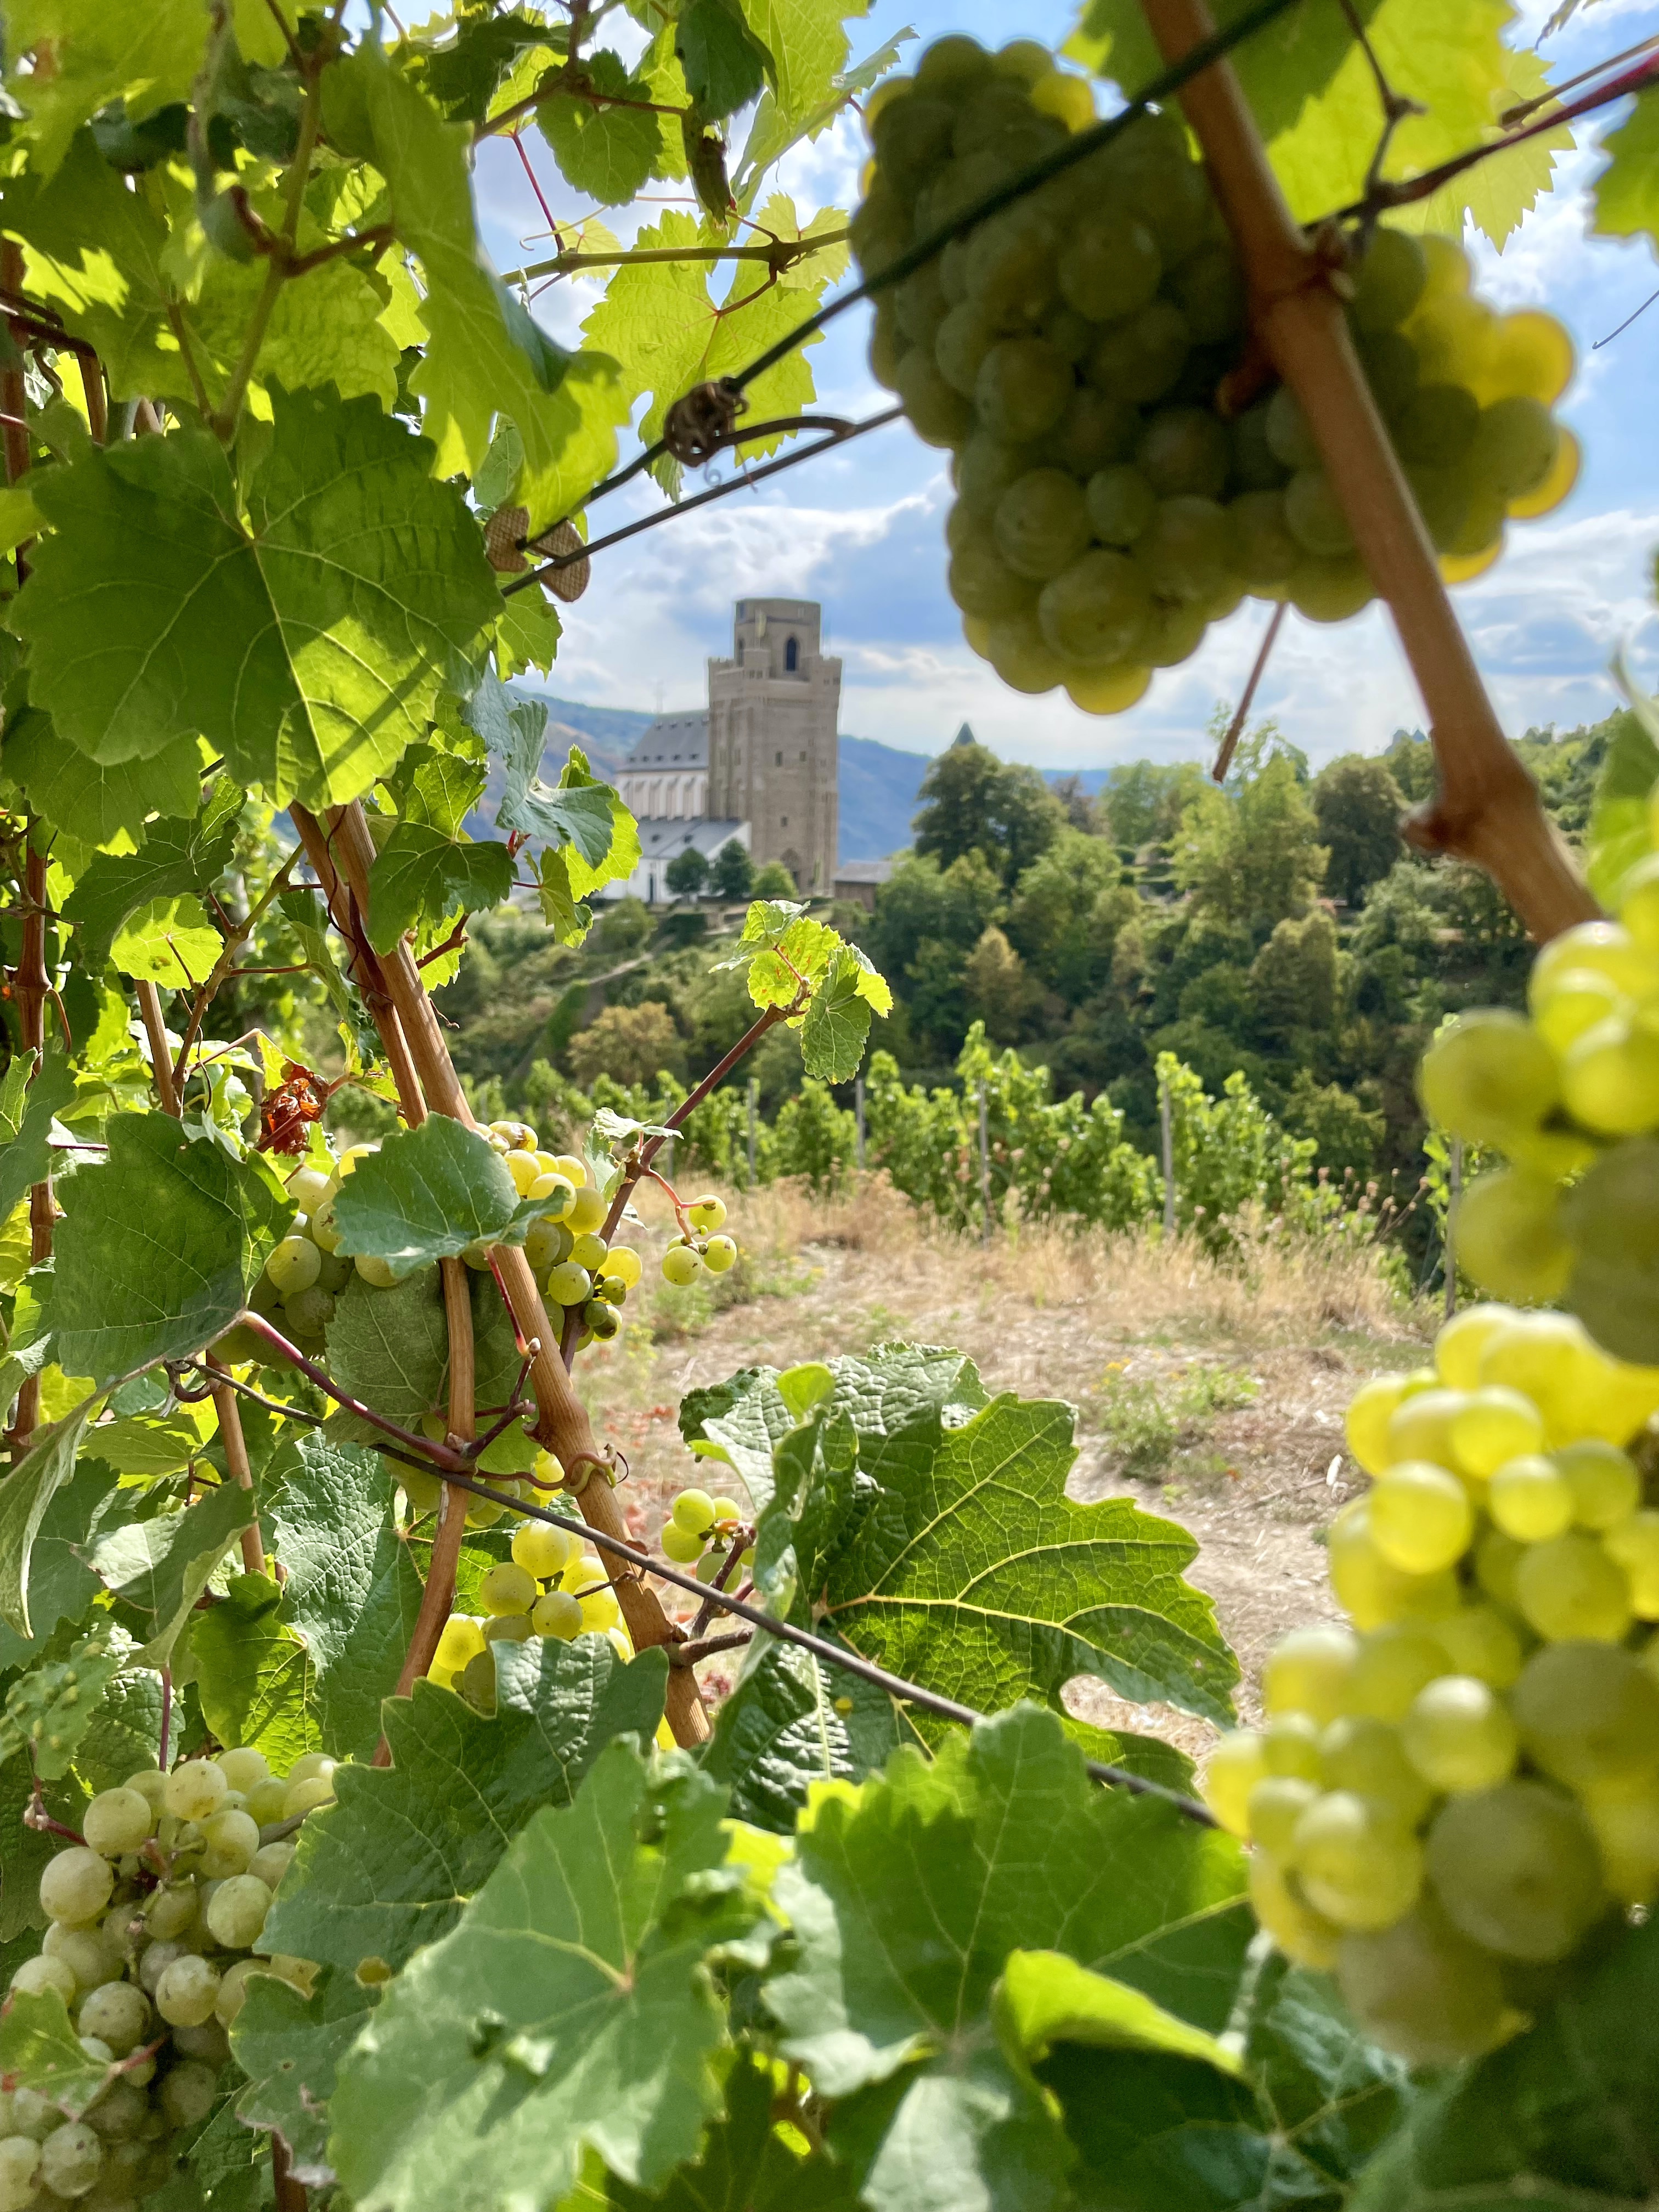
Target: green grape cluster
(1454,1789)
(551,1586)
(1569,1092)
(700,1531)
(155,1920)
(699,1246)
(1124,477)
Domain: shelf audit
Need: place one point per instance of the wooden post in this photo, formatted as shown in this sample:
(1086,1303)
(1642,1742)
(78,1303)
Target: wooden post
(984,1166)
(1454,1195)
(858,1111)
(754,1111)
(1166,1126)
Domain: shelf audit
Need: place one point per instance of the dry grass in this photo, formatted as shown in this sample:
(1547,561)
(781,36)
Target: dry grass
(1104,1322)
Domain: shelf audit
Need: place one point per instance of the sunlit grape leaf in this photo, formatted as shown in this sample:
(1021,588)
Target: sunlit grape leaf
(423,876)
(427,1194)
(1626,190)
(151,1443)
(793,1721)
(1563,2115)
(746,2163)
(326,328)
(311,639)
(1281,66)
(907,1903)
(351,1593)
(528,634)
(837,1024)
(155,1570)
(145,52)
(48,1708)
(290,2047)
(565,408)
(390,1866)
(807,45)
(124,1734)
(27,1492)
(1501,190)
(159,1247)
(390,1349)
(169,941)
(176,857)
(605,152)
(725,63)
(26,1155)
(90,800)
(255,1679)
(585,1950)
(463,73)
(39,2050)
(1046,1997)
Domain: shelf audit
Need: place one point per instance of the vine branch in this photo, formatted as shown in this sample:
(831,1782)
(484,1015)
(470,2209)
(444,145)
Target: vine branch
(778,254)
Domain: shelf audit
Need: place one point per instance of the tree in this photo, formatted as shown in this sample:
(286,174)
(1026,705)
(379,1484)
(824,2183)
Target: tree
(1000,991)
(687,872)
(630,1044)
(973,802)
(1066,910)
(1357,808)
(1250,857)
(1293,980)
(1142,803)
(733,876)
(774,881)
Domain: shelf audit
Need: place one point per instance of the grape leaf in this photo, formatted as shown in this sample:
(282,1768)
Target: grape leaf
(1626,190)
(155,1570)
(169,941)
(61,1584)
(290,2046)
(725,63)
(26,1158)
(39,2050)
(585,1951)
(255,1677)
(25,1495)
(95,803)
(746,2164)
(48,1709)
(389,1867)
(462,76)
(176,857)
(142,53)
(1504,188)
(149,1444)
(422,875)
(907,1903)
(326,328)
(427,1193)
(1045,1997)
(1281,67)
(311,639)
(25,1852)
(124,1734)
(527,633)
(605,152)
(582,814)
(1565,2113)
(158,1248)
(474,367)
(807,46)
(793,1721)
(390,1349)
(837,1024)
(567,877)
(352,1593)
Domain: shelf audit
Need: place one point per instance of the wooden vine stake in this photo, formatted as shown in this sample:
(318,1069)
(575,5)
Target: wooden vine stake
(1487,809)
(342,853)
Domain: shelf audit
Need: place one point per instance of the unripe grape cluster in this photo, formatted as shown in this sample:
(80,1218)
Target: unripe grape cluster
(1454,1789)
(1569,1091)
(155,1918)
(551,1586)
(1126,469)
(700,1531)
(698,1246)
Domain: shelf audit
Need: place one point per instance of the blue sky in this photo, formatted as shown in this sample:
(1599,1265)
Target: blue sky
(861,530)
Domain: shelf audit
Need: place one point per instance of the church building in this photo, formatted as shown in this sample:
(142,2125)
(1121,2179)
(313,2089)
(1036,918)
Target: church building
(760,763)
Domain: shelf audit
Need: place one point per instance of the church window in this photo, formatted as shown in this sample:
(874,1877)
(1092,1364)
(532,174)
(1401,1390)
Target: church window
(780,760)
(783,821)
(791,656)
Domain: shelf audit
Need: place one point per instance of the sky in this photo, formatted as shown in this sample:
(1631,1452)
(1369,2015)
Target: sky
(861,530)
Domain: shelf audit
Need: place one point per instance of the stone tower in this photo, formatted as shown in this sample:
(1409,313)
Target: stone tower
(773,759)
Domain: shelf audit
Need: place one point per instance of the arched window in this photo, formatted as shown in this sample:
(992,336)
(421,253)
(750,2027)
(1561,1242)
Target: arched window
(791,656)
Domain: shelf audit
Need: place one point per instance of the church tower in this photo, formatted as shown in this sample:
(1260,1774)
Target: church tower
(772,712)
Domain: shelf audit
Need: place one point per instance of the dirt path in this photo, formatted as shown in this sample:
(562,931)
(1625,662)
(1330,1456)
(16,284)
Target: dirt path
(1212,1397)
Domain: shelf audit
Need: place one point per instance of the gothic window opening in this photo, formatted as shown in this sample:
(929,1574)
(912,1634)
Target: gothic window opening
(791,656)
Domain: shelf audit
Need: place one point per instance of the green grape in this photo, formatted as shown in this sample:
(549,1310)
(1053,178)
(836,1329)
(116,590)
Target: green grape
(1495,1425)
(1605,1485)
(913,136)
(1067,332)
(985,468)
(1097,611)
(1095,431)
(1516,1870)
(953,65)
(1366,1755)
(188,2093)
(681,1266)
(981,582)
(1481,524)
(1422,1990)
(1139,359)
(1604,946)
(1017,648)
(1255,466)
(987,111)
(236,1912)
(1633,1546)
(1436,428)
(1120,504)
(1610,1078)
(1578,999)
(1167,190)
(117,1820)
(1307,1669)
(1588,1714)
(294,1264)
(1568,1588)
(1357,1862)
(1314,515)
(887,348)
(243,1769)
(1371,1409)
(1262,548)
(90,1957)
(272,1862)
(1611,1218)
(38,1975)
(601,1320)
(70,2159)
(1458,1347)
(1210,289)
(1393,1665)
(1184,449)
(1024,60)
(1301,1933)
(20,2162)
(1459,1735)
(922,307)
(1290,1747)
(939,415)
(1329,590)
(507,1588)
(1625,1817)
(1235,1766)
(230,1839)
(1510,1238)
(1420,1426)
(568,1284)
(1420,1519)
(1009,266)
(1388,280)
(77,1883)
(1389,362)
(1184,549)
(1022,389)
(1372,1591)
(541,1550)
(557,1613)
(1180,632)
(1042,524)
(1276,1804)
(1528,1499)
(309,1312)
(1110,267)
(1289,438)
(187,1991)
(307,1790)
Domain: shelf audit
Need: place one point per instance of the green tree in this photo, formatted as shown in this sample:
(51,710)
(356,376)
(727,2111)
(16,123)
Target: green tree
(1000,992)
(920,900)
(973,802)
(774,881)
(1143,802)
(687,872)
(734,874)
(630,1044)
(1252,858)
(1348,1135)
(1067,909)
(1357,807)
(1293,981)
